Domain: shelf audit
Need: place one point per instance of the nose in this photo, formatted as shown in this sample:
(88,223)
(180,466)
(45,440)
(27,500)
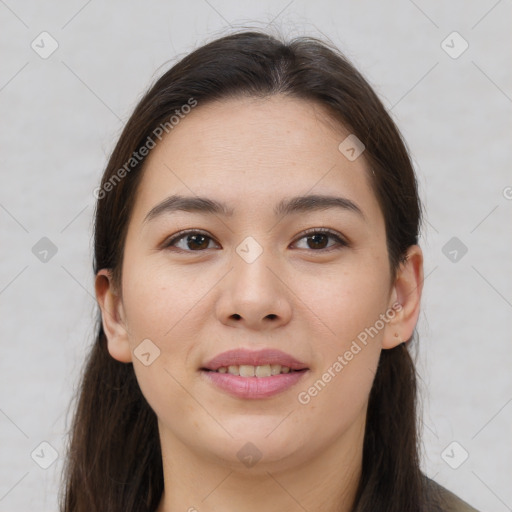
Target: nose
(254,295)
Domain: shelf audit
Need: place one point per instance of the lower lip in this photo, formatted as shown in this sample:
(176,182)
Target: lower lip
(254,387)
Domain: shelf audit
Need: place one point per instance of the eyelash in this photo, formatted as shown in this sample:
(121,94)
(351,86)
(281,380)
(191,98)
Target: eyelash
(341,242)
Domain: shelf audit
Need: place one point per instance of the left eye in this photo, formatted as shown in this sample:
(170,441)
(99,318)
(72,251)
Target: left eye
(315,239)
(319,236)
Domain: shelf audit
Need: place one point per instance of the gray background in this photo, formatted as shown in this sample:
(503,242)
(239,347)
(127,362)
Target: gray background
(61,116)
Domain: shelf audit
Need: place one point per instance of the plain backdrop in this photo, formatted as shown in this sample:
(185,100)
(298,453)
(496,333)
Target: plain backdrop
(61,114)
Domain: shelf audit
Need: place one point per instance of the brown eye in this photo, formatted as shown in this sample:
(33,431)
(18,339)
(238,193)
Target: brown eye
(317,239)
(190,241)
(197,242)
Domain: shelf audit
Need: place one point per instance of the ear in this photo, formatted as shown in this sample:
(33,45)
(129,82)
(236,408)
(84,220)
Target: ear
(112,314)
(405,299)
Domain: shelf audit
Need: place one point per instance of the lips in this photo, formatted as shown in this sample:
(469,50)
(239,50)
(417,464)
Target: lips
(238,357)
(260,374)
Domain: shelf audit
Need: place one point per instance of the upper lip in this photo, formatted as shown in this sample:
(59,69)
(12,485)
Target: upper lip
(238,357)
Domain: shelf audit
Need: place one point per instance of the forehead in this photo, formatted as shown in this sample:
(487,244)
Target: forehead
(252,151)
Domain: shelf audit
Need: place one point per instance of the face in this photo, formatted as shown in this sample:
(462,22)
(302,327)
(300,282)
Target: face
(308,281)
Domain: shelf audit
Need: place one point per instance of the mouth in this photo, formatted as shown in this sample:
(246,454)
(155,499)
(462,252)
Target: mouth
(250,363)
(250,374)
(247,370)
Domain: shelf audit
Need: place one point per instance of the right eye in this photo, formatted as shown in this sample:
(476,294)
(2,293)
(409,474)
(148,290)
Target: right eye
(190,240)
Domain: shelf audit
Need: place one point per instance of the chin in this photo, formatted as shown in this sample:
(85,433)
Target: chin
(257,447)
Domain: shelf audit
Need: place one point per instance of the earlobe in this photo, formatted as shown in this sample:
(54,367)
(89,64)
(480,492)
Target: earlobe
(112,315)
(405,299)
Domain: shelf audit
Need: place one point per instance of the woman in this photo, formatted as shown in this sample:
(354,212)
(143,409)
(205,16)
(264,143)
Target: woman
(259,279)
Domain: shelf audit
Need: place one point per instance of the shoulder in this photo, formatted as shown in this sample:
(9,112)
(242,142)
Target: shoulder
(445,499)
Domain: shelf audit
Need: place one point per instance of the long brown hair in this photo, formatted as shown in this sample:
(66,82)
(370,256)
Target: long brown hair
(114,459)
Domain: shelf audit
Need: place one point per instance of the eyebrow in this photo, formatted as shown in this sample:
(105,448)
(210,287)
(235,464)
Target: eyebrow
(289,206)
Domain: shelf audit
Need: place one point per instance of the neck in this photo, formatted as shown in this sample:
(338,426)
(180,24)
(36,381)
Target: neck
(327,482)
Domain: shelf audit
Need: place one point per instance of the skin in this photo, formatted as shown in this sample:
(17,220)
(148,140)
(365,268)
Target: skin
(252,153)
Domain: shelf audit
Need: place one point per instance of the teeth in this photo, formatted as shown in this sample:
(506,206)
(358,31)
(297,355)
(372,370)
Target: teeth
(262,371)
(247,370)
(275,369)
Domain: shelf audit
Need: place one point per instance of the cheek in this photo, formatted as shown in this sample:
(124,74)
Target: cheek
(165,306)
(157,298)
(348,300)
(333,404)
(159,305)
(347,356)
(348,306)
